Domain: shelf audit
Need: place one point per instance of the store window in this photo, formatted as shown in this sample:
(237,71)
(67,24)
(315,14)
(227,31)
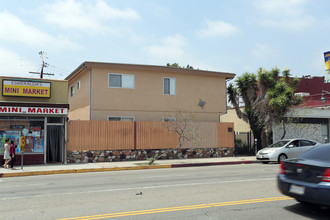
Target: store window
(28,130)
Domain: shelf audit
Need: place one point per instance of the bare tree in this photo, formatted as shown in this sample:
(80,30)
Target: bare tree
(185,126)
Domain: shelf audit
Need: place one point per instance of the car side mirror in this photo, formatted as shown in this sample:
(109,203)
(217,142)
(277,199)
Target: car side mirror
(291,146)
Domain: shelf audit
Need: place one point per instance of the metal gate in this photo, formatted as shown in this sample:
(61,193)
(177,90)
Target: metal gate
(244,144)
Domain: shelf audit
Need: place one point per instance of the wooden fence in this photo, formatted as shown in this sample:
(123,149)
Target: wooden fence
(117,135)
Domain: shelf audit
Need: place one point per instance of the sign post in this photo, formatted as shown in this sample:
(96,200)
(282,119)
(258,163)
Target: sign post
(25,132)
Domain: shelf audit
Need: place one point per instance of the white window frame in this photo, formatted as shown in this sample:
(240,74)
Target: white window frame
(72,90)
(122,117)
(78,85)
(122,84)
(172,80)
(169,119)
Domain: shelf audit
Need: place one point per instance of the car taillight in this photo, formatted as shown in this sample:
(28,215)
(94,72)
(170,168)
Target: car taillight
(326,176)
(282,168)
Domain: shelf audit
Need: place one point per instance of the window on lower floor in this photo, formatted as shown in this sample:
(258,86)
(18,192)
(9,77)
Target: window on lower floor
(169,119)
(121,118)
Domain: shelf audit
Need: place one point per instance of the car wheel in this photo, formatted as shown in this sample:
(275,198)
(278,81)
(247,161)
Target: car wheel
(265,162)
(282,157)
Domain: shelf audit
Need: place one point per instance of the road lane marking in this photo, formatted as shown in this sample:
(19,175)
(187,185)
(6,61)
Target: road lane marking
(135,188)
(179,208)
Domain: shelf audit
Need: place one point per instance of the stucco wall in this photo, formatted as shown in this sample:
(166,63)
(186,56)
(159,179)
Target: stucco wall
(146,102)
(150,115)
(239,124)
(59,89)
(308,131)
(79,103)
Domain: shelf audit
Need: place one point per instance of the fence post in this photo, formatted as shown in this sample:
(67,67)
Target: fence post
(134,135)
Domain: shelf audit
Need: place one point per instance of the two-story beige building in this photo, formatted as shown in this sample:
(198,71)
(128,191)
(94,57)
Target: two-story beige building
(121,92)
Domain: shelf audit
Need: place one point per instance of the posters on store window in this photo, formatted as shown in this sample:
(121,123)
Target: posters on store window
(34,143)
(14,136)
(2,141)
(39,144)
(29,144)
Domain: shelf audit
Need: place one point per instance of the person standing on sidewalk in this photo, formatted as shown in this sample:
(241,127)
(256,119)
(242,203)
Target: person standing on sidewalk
(12,154)
(6,155)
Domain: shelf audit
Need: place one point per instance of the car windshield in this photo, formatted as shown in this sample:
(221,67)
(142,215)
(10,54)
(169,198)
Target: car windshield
(279,144)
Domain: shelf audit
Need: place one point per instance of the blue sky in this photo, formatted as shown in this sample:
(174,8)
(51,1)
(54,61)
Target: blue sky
(234,36)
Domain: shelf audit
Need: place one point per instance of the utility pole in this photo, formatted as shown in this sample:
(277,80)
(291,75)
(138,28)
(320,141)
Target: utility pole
(43,56)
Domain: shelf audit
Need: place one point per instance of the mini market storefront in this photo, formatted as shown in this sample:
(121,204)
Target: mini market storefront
(33,113)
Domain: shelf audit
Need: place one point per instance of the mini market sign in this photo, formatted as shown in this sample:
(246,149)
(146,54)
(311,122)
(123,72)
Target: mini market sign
(25,88)
(33,110)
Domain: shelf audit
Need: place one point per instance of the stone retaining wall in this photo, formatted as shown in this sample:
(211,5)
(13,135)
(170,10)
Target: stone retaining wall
(132,155)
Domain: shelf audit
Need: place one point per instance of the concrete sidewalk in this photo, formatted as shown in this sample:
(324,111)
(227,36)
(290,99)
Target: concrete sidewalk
(30,170)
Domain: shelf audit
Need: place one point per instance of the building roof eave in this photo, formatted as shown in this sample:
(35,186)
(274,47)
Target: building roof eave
(91,64)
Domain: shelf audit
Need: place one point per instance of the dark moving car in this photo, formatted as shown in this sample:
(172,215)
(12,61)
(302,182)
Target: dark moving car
(307,177)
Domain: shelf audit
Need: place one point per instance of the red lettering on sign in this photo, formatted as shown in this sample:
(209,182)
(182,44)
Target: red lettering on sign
(16,109)
(31,110)
(26,91)
(12,90)
(35,91)
(35,128)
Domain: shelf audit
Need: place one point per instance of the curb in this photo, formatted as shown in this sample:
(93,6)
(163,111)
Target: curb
(49,172)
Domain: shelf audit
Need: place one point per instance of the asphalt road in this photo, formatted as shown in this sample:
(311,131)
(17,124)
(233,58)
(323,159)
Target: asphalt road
(246,191)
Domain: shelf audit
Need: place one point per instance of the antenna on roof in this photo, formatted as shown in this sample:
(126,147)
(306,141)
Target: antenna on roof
(43,56)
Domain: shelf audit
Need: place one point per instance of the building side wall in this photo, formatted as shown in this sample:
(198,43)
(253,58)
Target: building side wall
(79,103)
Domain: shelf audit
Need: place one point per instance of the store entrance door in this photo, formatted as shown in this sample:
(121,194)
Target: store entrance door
(55,143)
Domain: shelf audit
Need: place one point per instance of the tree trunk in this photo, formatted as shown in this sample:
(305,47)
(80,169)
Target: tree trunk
(284,130)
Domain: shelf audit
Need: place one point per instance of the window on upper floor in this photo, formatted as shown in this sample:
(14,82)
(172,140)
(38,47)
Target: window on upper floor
(72,90)
(78,85)
(121,118)
(126,81)
(169,86)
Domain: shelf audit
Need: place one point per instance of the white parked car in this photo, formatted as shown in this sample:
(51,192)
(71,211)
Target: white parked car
(283,149)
